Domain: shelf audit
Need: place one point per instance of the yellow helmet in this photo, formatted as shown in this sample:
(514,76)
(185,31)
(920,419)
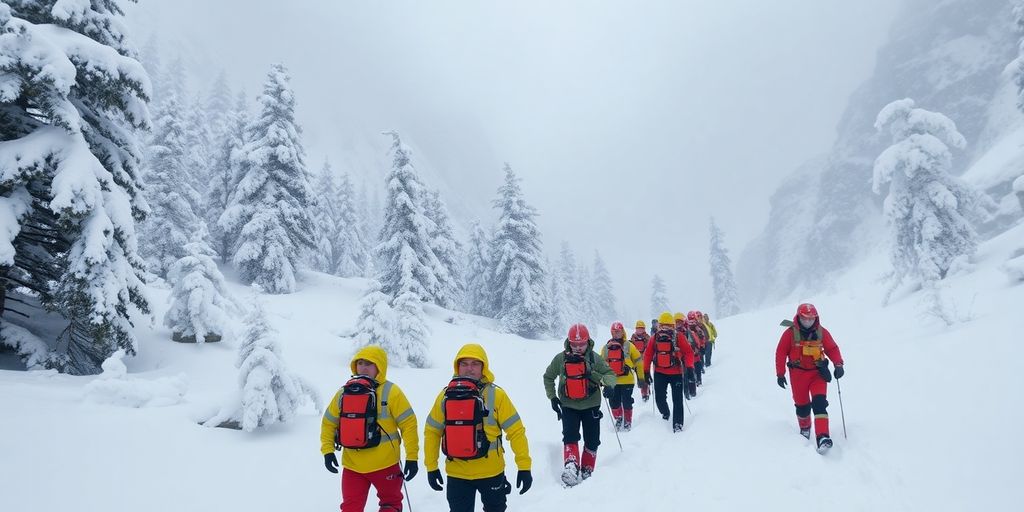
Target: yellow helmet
(680,316)
(665,318)
(640,324)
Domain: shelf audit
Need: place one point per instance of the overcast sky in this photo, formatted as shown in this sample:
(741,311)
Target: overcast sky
(630,122)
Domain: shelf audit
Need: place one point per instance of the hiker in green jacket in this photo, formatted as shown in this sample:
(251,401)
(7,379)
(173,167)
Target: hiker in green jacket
(582,372)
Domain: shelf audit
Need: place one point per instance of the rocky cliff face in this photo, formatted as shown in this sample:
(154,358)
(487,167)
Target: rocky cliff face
(948,56)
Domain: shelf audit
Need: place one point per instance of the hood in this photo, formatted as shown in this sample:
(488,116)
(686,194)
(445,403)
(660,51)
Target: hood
(375,355)
(590,344)
(473,351)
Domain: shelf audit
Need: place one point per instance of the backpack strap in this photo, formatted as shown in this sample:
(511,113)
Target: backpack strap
(384,392)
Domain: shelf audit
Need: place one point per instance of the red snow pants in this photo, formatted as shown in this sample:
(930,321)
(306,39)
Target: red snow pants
(355,487)
(810,394)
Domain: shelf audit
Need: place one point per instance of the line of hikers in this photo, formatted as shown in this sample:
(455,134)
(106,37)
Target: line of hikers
(370,417)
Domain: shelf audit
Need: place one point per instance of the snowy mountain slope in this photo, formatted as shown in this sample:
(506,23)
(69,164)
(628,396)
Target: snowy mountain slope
(932,414)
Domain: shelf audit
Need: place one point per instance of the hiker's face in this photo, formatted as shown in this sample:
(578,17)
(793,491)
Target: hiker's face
(640,330)
(364,367)
(578,347)
(472,368)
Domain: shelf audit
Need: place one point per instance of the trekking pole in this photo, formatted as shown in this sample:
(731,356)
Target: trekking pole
(841,413)
(606,404)
(408,498)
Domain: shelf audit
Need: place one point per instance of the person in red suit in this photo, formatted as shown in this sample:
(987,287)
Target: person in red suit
(672,360)
(806,348)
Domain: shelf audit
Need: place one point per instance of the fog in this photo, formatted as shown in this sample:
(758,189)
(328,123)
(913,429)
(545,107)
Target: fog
(630,122)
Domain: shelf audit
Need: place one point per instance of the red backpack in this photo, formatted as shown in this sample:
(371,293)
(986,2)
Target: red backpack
(464,412)
(617,357)
(640,342)
(577,378)
(665,348)
(357,422)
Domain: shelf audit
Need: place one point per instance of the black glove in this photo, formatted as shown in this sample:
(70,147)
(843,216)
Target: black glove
(647,379)
(839,372)
(331,461)
(435,480)
(411,468)
(782,381)
(557,407)
(689,376)
(607,392)
(523,481)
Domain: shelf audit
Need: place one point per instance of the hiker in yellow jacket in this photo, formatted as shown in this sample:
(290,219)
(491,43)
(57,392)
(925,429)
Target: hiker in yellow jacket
(712,336)
(482,468)
(624,360)
(370,451)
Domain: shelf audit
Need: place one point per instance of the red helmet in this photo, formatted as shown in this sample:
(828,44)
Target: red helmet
(616,327)
(807,310)
(578,333)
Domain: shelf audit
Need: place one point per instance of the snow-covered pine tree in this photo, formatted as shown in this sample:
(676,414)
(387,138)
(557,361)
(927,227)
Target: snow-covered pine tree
(603,292)
(479,296)
(201,148)
(722,281)
(587,312)
(1016,67)
(219,109)
(169,189)
(200,301)
(411,332)
(518,272)
(928,210)
(447,249)
(408,263)
(558,317)
(351,252)
(269,207)
(324,215)
(74,101)
(659,297)
(376,323)
(269,392)
(228,167)
(569,276)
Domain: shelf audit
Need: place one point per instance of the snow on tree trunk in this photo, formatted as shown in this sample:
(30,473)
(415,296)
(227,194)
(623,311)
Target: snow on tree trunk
(518,274)
(269,207)
(928,210)
(199,298)
(722,281)
(74,101)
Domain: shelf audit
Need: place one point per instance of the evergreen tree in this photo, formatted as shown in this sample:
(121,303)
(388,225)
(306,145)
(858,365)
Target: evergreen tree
(376,324)
(479,294)
(268,209)
(659,297)
(603,292)
(411,331)
(351,251)
(518,274)
(169,189)
(269,392)
(587,312)
(201,149)
(927,209)
(199,297)
(447,249)
(219,110)
(407,262)
(558,317)
(569,276)
(324,217)
(722,282)
(228,168)
(71,109)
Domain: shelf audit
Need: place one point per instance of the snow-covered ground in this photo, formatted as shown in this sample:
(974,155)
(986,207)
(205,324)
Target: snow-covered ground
(932,414)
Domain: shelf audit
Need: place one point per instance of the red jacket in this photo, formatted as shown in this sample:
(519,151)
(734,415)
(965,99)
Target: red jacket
(640,342)
(793,352)
(682,353)
(697,335)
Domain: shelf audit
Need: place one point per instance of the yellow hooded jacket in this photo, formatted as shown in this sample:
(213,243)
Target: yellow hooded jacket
(394,414)
(634,362)
(503,416)
(712,332)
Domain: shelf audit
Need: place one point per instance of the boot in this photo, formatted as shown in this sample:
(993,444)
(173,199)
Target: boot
(824,443)
(677,427)
(617,416)
(806,432)
(589,461)
(627,419)
(571,464)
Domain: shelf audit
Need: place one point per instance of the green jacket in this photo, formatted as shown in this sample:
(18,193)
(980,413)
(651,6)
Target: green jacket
(600,375)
